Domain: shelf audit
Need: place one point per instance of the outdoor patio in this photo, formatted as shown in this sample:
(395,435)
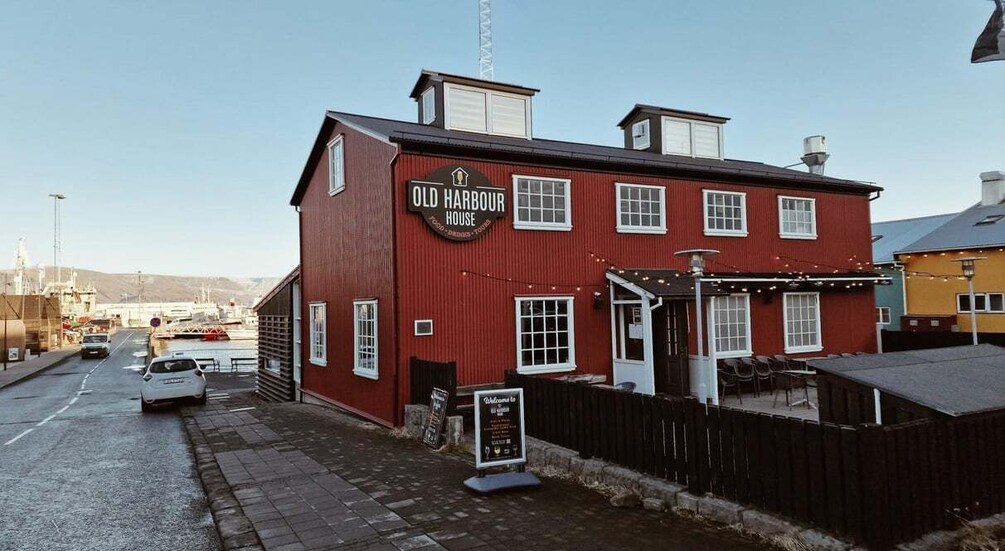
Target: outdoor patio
(767,403)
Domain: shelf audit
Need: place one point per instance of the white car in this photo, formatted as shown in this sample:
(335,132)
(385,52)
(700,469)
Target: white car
(95,344)
(172,378)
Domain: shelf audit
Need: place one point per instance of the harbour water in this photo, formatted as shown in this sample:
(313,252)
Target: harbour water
(222,351)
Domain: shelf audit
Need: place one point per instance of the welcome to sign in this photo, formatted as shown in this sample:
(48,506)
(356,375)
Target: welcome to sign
(457,202)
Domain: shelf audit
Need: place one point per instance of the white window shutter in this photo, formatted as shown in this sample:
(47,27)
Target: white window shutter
(509,115)
(467,110)
(706,141)
(676,137)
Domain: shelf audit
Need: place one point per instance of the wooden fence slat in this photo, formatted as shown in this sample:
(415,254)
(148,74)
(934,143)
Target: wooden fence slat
(755,476)
(692,447)
(832,475)
(701,443)
(683,462)
(783,458)
(728,479)
(816,474)
(873,465)
(769,460)
(741,478)
(800,481)
(713,429)
(852,481)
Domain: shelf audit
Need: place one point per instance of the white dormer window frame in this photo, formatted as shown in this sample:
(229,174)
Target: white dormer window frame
(641,135)
(336,165)
(489,96)
(691,124)
(429,105)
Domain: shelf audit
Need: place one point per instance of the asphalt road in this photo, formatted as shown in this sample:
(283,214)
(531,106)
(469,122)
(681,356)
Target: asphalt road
(81,468)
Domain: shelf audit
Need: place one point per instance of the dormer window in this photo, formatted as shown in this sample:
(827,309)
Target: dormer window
(429,105)
(692,138)
(640,135)
(487,111)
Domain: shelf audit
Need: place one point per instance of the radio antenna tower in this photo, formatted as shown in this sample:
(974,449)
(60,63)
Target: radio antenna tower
(485,71)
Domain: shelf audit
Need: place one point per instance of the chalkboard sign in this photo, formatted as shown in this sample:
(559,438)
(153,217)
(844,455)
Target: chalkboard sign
(499,428)
(437,414)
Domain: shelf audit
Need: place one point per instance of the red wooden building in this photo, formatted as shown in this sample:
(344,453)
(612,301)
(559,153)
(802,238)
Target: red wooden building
(462,237)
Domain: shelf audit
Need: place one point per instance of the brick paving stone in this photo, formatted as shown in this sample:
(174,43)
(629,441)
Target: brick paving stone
(316,476)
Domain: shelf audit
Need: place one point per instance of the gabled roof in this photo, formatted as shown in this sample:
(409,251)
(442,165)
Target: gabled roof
(671,113)
(960,380)
(418,137)
(897,234)
(294,275)
(964,232)
(426,75)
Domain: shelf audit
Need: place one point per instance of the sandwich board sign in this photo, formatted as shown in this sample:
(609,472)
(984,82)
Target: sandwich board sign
(500,441)
(437,413)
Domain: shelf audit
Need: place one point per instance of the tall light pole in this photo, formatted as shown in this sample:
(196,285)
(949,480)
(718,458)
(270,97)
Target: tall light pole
(697,264)
(56,198)
(967,264)
(139,297)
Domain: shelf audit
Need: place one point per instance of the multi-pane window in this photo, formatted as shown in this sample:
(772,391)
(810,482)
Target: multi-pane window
(641,209)
(983,302)
(731,315)
(365,338)
(802,322)
(318,333)
(797,217)
(336,166)
(541,203)
(883,315)
(640,135)
(544,334)
(725,213)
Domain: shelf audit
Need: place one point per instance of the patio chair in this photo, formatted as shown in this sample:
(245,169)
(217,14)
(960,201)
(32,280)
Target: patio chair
(783,361)
(762,372)
(743,373)
(726,380)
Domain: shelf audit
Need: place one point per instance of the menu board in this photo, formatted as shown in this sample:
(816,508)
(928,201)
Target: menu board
(437,413)
(499,429)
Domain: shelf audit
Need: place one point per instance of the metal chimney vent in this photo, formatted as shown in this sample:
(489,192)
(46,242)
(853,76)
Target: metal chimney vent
(815,153)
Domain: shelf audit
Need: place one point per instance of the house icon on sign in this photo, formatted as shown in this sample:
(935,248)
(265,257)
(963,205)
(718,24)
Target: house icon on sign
(460,177)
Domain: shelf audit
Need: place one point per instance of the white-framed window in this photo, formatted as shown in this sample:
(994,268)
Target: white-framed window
(692,138)
(429,105)
(486,111)
(364,325)
(422,328)
(725,213)
(797,217)
(542,203)
(336,165)
(641,209)
(318,333)
(983,302)
(731,320)
(802,322)
(545,339)
(640,134)
(883,315)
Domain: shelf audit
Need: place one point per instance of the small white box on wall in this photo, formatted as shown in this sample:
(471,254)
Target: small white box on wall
(423,328)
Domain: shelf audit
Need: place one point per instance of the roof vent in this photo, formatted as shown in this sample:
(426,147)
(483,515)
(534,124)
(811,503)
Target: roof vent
(992,188)
(815,153)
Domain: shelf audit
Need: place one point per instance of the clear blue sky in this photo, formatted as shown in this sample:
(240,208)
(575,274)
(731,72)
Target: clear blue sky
(178,129)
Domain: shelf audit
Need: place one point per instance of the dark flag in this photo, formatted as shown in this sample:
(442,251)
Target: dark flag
(990,44)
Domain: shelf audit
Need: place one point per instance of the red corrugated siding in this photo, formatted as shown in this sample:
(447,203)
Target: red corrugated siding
(474,317)
(346,254)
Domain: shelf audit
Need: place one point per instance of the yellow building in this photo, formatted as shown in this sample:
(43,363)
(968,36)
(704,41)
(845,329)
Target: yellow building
(933,276)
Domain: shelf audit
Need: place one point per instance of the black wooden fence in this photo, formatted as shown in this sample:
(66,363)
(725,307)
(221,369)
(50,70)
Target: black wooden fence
(425,375)
(877,485)
(898,341)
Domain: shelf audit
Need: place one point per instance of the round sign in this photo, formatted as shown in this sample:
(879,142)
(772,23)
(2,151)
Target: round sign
(155,322)
(457,202)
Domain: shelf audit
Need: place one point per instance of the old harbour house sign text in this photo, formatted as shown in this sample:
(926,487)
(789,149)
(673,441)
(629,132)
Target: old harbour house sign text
(457,202)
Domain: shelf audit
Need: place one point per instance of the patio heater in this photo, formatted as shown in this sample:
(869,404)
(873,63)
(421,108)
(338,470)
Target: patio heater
(697,264)
(967,264)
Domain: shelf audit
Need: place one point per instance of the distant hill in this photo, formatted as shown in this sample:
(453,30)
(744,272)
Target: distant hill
(168,288)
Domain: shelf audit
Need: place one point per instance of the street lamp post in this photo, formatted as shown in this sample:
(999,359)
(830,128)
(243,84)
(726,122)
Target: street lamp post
(967,265)
(697,265)
(56,198)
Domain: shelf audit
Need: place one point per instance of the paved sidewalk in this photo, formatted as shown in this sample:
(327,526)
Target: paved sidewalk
(310,478)
(17,372)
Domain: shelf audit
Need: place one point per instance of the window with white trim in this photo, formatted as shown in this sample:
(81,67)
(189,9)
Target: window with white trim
(731,320)
(692,138)
(983,303)
(725,213)
(336,165)
(640,134)
(802,322)
(641,209)
(797,217)
(318,330)
(883,315)
(541,203)
(486,111)
(545,339)
(365,338)
(429,105)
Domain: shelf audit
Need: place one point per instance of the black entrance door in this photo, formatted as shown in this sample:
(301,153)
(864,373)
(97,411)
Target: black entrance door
(670,350)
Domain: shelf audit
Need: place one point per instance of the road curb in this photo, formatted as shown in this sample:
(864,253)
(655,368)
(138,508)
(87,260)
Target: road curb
(68,355)
(235,530)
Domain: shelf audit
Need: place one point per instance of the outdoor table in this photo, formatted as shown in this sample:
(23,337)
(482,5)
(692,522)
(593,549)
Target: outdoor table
(805,374)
